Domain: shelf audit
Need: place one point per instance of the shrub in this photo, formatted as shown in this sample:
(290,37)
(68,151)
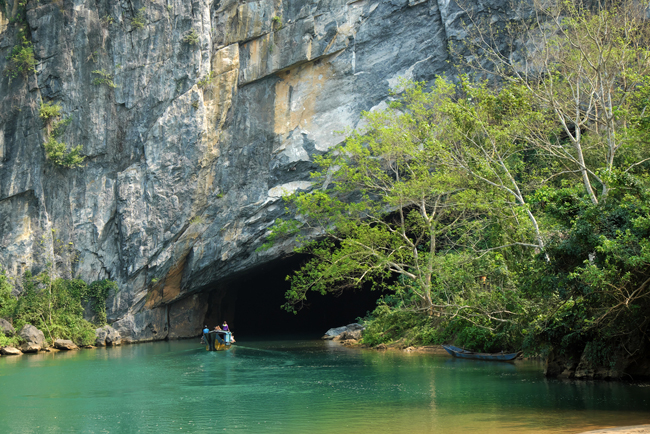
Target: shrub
(6,341)
(277,22)
(97,293)
(209,78)
(59,127)
(191,37)
(138,21)
(7,301)
(55,306)
(103,77)
(21,60)
(107,20)
(48,111)
(58,154)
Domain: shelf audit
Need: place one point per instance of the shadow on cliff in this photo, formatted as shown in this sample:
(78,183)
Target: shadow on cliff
(251,303)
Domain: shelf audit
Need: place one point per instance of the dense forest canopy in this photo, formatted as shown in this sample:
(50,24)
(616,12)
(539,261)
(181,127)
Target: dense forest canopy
(508,209)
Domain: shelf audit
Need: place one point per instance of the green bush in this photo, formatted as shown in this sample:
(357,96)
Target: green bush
(7,301)
(21,60)
(97,293)
(59,126)
(55,306)
(139,20)
(277,22)
(58,154)
(208,79)
(6,341)
(387,324)
(49,111)
(103,77)
(191,38)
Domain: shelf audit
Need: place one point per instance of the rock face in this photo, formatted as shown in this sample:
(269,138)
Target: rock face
(34,339)
(107,336)
(350,331)
(194,118)
(6,328)
(64,344)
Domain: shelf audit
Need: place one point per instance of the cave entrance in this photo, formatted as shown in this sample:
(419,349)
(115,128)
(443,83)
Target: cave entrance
(250,301)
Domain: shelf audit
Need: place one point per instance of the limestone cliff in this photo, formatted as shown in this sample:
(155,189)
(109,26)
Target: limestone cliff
(207,113)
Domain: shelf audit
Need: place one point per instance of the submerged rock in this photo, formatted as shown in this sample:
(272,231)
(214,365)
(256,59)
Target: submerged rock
(64,344)
(107,336)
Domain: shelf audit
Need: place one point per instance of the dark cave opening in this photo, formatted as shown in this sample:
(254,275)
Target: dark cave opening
(251,303)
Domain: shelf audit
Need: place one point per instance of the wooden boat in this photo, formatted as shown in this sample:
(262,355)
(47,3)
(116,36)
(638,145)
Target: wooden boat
(465,354)
(218,340)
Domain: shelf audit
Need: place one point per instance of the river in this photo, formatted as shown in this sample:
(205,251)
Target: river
(298,386)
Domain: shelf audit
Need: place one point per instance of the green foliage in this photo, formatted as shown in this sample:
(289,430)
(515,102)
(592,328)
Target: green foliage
(58,127)
(55,306)
(485,215)
(386,325)
(138,21)
(7,301)
(21,61)
(206,80)
(7,341)
(55,151)
(59,155)
(21,13)
(49,111)
(599,269)
(197,219)
(277,22)
(103,77)
(107,20)
(191,37)
(97,293)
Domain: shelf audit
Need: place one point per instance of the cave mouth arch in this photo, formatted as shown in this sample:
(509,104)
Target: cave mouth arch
(251,303)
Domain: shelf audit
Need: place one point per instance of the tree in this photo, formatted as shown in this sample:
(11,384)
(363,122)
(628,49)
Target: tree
(394,210)
(581,62)
(585,68)
(482,130)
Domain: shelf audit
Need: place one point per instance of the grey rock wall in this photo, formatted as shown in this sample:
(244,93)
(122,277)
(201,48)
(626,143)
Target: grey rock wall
(188,155)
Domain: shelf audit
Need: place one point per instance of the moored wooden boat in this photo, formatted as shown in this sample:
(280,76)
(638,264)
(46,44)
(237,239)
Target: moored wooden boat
(465,354)
(218,340)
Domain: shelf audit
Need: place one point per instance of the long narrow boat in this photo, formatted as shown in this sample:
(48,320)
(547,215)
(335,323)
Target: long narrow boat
(465,354)
(218,340)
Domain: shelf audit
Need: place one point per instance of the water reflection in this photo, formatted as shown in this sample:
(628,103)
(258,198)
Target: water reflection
(298,386)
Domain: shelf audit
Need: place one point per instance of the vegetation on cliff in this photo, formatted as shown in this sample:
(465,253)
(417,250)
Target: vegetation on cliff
(500,217)
(55,306)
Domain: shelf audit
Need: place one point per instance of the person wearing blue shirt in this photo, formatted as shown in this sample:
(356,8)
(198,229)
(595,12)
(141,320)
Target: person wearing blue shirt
(206,330)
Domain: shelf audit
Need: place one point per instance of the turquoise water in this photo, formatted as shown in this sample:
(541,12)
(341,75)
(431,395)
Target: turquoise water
(298,386)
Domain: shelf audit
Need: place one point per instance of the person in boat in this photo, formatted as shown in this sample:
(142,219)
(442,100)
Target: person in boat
(206,330)
(227,329)
(217,328)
